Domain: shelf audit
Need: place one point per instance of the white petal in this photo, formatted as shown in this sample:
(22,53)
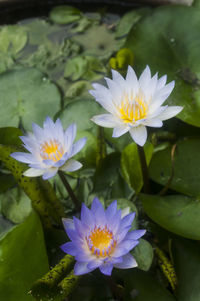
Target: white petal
(128,262)
(118,78)
(71,165)
(120,130)
(125,212)
(139,134)
(170,112)
(23,157)
(132,84)
(114,89)
(32,172)
(145,77)
(161,82)
(49,173)
(154,122)
(103,96)
(106,120)
(160,97)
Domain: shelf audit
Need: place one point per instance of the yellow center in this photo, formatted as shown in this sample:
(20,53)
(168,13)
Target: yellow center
(51,150)
(101,241)
(131,111)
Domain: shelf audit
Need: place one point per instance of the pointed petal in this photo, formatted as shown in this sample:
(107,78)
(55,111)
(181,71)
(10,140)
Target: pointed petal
(136,234)
(98,211)
(170,112)
(139,134)
(124,247)
(118,78)
(106,120)
(23,157)
(32,172)
(106,268)
(87,216)
(111,210)
(127,220)
(154,122)
(71,165)
(70,135)
(125,212)
(78,146)
(49,173)
(70,248)
(81,268)
(120,130)
(132,84)
(145,78)
(128,262)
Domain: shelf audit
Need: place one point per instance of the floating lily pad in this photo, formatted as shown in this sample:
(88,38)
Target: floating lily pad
(143,254)
(64,14)
(176,213)
(26,95)
(23,259)
(172,47)
(186,176)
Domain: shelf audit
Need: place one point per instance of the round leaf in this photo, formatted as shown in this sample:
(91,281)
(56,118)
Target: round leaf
(28,96)
(176,213)
(64,14)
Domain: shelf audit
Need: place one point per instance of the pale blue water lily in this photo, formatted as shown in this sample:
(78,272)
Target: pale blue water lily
(101,239)
(133,104)
(50,149)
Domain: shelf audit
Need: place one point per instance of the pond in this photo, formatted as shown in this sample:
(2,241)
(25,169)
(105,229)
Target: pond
(87,96)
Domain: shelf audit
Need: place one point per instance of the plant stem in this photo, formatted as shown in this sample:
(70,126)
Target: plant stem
(144,168)
(69,190)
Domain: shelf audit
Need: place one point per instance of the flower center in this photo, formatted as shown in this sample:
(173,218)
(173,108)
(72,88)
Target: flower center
(101,241)
(51,150)
(131,111)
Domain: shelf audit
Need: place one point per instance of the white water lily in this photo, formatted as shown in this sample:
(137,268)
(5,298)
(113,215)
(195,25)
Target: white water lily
(51,148)
(134,103)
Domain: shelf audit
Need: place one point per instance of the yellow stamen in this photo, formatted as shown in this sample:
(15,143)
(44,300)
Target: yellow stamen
(51,150)
(101,242)
(131,111)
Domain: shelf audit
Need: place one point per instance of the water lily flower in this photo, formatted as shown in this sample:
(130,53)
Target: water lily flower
(101,239)
(134,103)
(51,148)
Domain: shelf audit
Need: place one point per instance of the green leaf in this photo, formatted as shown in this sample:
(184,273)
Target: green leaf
(187,264)
(26,94)
(143,254)
(171,47)
(15,205)
(81,110)
(79,88)
(64,14)
(176,213)
(84,67)
(23,259)
(142,287)
(6,181)
(13,38)
(186,176)
(130,164)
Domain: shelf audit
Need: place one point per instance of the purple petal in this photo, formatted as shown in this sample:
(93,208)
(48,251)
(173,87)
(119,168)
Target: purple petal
(94,264)
(81,228)
(122,234)
(127,263)
(82,256)
(124,247)
(106,268)
(70,248)
(99,213)
(127,220)
(111,210)
(114,223)
(49,173)
(87,216)
(81,268)
(136,234)
(78,146)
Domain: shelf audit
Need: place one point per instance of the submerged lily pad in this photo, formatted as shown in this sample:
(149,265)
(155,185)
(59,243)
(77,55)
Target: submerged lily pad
(26,95)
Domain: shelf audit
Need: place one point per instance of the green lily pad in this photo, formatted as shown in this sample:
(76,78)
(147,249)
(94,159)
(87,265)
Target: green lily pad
(13,38)
(23,259)
(26,95)
(172,47)
(187,264)
(186,176)
(64,14)
(80,111)
(15,205)
(143,254)
(130,164)
(10,136)
(176,213)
